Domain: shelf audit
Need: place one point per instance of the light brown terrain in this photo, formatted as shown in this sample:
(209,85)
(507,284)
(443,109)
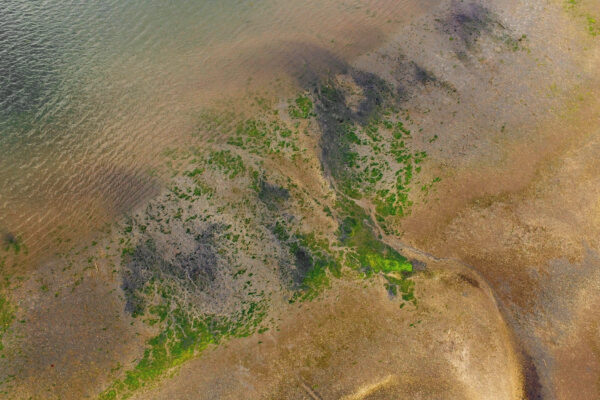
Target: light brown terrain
(356,344)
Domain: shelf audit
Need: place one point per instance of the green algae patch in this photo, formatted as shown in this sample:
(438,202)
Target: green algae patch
(13,243)
(302,108)
(322,263)
(369,255)
(7,315)
(315,262)
(593,26)
(388,263)
(368,150)
(178,295)
(264,135)
(183,336)
(227,162)
(592,23)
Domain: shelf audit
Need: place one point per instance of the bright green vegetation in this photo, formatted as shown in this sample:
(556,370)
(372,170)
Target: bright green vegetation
(230,164)
(303,108)
(266,136)
(370,154)
(403,286)
(7,315)
(315,262)
(382,165)
(183,336)
(369,255)
(592,23)
(364,253)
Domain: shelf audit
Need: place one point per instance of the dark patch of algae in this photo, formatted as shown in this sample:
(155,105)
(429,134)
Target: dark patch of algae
(375,129)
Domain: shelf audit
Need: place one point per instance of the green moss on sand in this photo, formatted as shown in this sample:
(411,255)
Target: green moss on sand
(182,337)
(227,162)
(303,108)
(7,315)
(368,254)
